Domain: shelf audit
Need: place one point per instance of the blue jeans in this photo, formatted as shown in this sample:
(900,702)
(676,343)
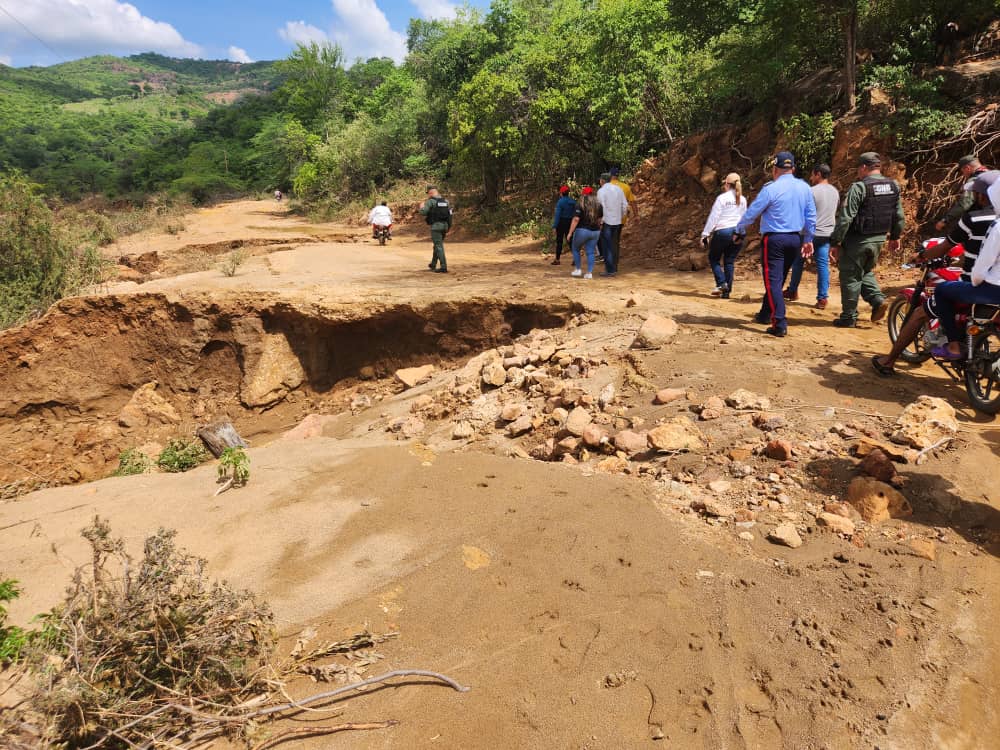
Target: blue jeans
(821,252)
(611,235)
(951,293)
(586,237)
(722,254)
(778,253)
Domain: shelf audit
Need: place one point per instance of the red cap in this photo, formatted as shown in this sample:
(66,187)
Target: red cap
(587,190)
(564,189)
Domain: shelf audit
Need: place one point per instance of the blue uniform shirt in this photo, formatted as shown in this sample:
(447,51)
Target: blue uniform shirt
(565,209)
(785,205)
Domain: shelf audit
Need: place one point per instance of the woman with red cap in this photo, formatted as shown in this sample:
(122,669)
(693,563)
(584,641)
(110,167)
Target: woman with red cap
(565,210)
(585,229)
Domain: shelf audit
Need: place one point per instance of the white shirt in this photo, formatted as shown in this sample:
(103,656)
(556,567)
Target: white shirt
(380,216)
(726,212)
(986,269)
(612,200)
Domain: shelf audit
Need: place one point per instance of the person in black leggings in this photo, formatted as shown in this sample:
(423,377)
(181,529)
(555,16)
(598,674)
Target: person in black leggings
(565,211)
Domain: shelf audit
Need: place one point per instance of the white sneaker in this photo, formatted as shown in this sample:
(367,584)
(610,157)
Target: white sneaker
(716,292)
(576,272)
(588,276)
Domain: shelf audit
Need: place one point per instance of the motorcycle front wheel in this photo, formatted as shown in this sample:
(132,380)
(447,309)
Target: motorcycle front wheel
(917,351)
(982,372)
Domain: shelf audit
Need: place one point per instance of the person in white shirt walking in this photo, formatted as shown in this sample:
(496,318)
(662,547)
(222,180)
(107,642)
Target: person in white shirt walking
(615,207)
(719,234)
(380,216)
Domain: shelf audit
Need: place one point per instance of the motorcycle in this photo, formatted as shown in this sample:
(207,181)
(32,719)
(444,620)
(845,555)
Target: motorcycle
(382,234)
(981,371)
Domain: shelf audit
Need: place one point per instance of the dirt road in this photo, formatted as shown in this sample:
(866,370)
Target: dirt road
(586,607)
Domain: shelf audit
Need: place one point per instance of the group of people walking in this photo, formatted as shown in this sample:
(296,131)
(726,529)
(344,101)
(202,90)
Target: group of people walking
(592,224)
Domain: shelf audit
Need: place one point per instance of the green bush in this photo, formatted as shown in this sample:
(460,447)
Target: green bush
(922,113)
(234,466)
(809,137)
(131,462)
(12,638)
(182,455)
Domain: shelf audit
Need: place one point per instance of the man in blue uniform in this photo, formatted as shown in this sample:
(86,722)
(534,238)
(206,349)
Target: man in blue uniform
(787,214)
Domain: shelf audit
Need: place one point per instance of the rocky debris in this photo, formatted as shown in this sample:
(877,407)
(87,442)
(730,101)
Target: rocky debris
(767,422)
(924,548)
(746,536)
(631,442)
(720,486)
(666,395)
(677,434)
(361,402)
(866,445)
(462,430)
(273,370)
(876,501)
(779,450)
(407,427)
(594,436)
(520,426)
(494,374)
(414,376)
(607,396)
(713,507)
(926,422)
(745,400)
(510,412)
(837,523)
(634,300)
(310,427)
(577,421)
(878,465)
(613,465)
(785,534)
(691,261)
(712,408)
(147,407)
(655,332)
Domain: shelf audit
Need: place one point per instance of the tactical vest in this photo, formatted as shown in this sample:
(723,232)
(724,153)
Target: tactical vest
(879,207)
(440,211)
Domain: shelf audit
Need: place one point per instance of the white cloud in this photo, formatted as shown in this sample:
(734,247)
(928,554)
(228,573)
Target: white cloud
(6,60)
(84,27)
(361,29)
(238,54)
(300,32)
(431,9)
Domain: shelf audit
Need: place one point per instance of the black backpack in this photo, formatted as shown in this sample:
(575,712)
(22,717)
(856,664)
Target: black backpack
(440,211)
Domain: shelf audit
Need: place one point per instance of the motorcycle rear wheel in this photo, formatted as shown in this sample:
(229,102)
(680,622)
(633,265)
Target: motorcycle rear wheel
(982,372)
(916,352)
(381,237)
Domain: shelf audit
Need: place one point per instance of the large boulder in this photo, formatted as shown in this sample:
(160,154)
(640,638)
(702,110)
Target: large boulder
(147,407)
(677,434)
(926,422)
(876,501)
(655,331)
(274,371)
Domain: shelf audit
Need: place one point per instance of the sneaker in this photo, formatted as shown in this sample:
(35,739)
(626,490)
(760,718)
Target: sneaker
(790,296)
(879,312)
(609,273)
(845,323)
(717,291)
(555,262)
(821,304)
(588,276)
(779,332)
(576,272)
(724,295)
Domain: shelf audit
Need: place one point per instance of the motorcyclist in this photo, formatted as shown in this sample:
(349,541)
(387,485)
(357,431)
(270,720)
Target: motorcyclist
(277,195)
(380,216)
(969,232)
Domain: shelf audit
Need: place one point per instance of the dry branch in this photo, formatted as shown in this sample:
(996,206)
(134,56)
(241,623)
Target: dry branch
(318,731)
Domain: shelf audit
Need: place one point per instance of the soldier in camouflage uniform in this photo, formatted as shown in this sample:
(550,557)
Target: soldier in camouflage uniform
(437,211)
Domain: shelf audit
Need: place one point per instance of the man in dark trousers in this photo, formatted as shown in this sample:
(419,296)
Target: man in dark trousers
(872,209)
(787,214)
(437,211)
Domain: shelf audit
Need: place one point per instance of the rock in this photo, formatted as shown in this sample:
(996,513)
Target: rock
(462,431)
(677,434)
(720,486)
(613,465)
(634,300)
(779,450)
(867,445)
(520,426)
(713,408)
(878,465)
(310,427)
(414,376)
(518,362)
(655,332)
(744,399)
(411,427)
(361,401)
(367,373)
(494,374)
(925,422)
(420,403)
(510,412)
(666,395)
(631,442)
(577,421)
(785,534)
(924,548)
(594,435)
(273,369)
(572,396)
(876,501)
(768,422)
(567,445)
(559,415)
(746,536)
(715,508)
(740,454)
(147,407)
(836,522)
(606,396)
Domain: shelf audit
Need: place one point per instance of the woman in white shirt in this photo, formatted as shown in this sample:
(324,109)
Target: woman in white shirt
(718,234)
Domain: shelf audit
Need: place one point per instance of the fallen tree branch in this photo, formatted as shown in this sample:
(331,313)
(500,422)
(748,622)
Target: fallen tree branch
(317,731)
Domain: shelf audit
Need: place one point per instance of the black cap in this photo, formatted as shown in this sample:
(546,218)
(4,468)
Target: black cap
(967,160)
(784,160)
(870,159)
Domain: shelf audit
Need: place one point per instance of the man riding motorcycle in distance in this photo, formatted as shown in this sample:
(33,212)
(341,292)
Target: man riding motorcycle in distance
(969,232)
(380,216)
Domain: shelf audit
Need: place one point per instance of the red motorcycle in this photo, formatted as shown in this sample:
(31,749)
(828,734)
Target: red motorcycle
(981,371)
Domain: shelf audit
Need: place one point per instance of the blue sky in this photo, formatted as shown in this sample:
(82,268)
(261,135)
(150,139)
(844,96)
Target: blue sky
(43,32)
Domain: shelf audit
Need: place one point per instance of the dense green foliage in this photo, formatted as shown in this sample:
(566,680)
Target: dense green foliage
(181,455)
(12,638)
(528,91)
